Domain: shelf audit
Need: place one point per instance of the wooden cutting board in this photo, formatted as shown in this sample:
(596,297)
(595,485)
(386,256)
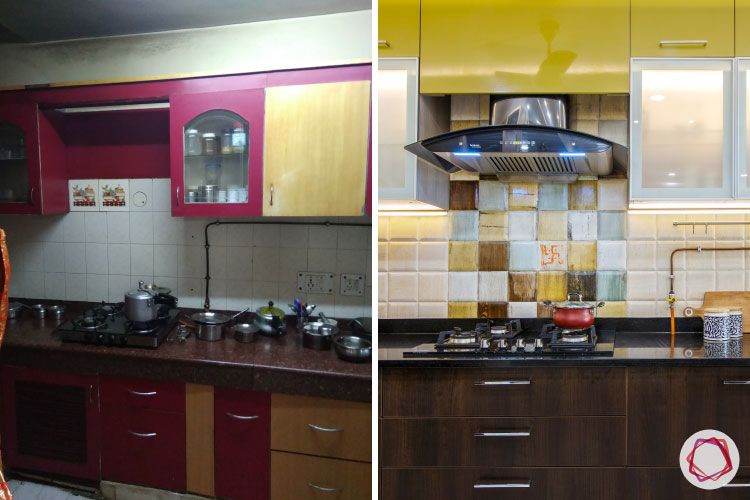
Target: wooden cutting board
(724,300)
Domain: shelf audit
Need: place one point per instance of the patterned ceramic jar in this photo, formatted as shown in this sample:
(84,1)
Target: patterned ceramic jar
(735,323)
(735,348)
(715,325)
(718,349)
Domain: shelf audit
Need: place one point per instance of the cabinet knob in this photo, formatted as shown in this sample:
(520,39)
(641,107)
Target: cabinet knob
(384,43)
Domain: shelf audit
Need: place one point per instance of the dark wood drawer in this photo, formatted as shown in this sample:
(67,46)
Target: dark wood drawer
(661,483)
(503,392)
(142,394)
(667,405)
(497,484)
(503,442)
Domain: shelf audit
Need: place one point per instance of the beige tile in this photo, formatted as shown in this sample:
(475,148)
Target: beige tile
(434,228)
(382,256)
(553,226)
(613,310)
(433,309)
(403,228)
(585,106)
(641,227)
(462,309)
(522,309)
(433,287)
(463,124)
(463,256)
(402,287)
(611,256)
(402,256)
(641,256)
(484,107)
(465,107)
(666,230)
(585,126)
(697,283)
(582,195)
(463,286)
(403,310)
(582,255)
(462,175)
(613,107)
(641,309)
(641,285)
(433,256)
(493,286)
(613,194)
(523,196)
(614,130)
(383,287)
(383,223)
(493,226)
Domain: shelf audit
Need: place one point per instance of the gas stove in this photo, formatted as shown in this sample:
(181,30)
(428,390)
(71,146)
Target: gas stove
(509,340)
(106,324)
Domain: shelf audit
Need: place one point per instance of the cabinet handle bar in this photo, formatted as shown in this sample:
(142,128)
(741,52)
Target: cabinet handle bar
(525,433)
(136,393)
(177,196)
(744,484)
(384,43)
(324,489)
(701,43)
(142,434)
(736,382)
(502,484)
(241,417)
(323,429)
(484,383)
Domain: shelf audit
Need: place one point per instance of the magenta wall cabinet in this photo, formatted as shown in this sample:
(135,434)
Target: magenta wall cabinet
(51,422)
(216,149)
(242,444)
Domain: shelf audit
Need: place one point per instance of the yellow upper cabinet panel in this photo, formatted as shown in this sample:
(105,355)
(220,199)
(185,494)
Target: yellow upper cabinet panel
(398,28)
(544,46)
(682,28)
(742,28)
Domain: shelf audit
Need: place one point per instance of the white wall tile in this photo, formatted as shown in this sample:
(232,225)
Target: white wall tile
(28,256)
(142,227)
(641,255)
(730,260)
(700,233)
(613,194)
(703,261)
(191,261)
(294,260)
(730,281)
(75,258)
(75,287)
(189,292)
(582,225)
(118,257)
(403,287)
(732,233)
(493,286)
(698,282)
(433,310)
(406,310)
(165,260)
(522,225)
(267,235)
(433,287)
(240,262)
(162,201)
(239,234)
(405,228)
(323,237)
(265,291)
(611,256)
(641,285)
(141,191)
(354,261)
(74,227)
(354,237)
(432,256)
(96,258)
(382,256)
(641,309)
(522,309)
(239,293)
(54,257)
(348,306)
(142,259)
(54,286)
(664,251)
(218,263)
(266,264)
(433,228)
(402,256)
(295,236)
(666,230)
(641,227)
(383,287)
(97,287)
(167,229)
(319,260)
(462,286)
(118,285)
(118,227)
(33,285)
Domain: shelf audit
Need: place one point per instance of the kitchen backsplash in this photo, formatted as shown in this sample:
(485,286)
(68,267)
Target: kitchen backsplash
(98,256)
(504,248)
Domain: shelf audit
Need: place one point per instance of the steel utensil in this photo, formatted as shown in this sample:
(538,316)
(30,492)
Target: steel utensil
(351,348)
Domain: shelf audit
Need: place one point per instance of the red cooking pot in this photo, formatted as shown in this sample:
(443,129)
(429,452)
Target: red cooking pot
(573,314)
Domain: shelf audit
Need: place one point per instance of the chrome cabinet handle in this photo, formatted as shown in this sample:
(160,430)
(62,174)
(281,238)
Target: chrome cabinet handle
(324,489)
(701,43)
(484,383)
(502,484)
(736,382)
(31,196)
(742,483)
(241,417)
(142,434)
(136,393)
(511,433)
(323,429)
(271,201)
(384,43)
(91,393)
(178,196)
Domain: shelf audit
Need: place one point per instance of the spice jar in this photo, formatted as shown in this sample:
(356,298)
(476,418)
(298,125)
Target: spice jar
(210,144)
(226,141)
(192,142)
(238,138)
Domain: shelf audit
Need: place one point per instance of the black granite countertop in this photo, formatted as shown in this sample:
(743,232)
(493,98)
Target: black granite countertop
(637,342)
(267,364)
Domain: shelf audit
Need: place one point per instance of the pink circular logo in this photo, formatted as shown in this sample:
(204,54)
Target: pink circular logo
(709,459)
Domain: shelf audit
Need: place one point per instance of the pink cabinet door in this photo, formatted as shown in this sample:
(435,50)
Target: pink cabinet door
(20,172)
(51,422)
(242,444)
(216,150)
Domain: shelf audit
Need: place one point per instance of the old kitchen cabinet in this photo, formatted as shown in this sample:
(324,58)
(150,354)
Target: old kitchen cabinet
(398,28)
(51,422)
(682,28)
(512,46)
(316,149)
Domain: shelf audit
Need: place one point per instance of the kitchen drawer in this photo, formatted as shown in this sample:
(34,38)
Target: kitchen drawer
(560,483)
(324,427)
(144,447)
(298,477)
(503,442)
(662,483)
(540,392)
(132,393)
(667,405)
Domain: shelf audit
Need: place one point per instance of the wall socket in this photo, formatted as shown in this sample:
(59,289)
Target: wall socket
(315,282)
(352,284)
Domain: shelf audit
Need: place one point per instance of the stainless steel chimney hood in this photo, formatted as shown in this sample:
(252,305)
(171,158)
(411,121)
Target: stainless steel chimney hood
(527,140)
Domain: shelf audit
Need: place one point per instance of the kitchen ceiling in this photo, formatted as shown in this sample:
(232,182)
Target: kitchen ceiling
(32,21)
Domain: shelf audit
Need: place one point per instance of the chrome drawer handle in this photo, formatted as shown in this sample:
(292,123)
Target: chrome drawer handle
(142,434)
(502,484)
(384,43)
(324,489)
(485,383)
(242,417)
(323,429)
(526,433)
(736,382)
(744,484)
(136,393)
(701,43)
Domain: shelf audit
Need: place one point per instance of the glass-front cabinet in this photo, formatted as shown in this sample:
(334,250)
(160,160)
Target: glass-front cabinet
(19,159)
(217,153)
(743,128)
(681,130)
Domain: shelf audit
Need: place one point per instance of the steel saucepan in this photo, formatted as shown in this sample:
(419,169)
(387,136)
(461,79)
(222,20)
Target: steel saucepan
(270,320)
(573,314)
(209,325)
(351,348)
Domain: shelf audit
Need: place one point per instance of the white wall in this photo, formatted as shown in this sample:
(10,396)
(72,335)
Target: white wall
(306,42)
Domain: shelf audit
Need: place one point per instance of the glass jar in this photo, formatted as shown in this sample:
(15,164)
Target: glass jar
(238,138)
(192,142)
(226,141)
(210,144)
(213,174)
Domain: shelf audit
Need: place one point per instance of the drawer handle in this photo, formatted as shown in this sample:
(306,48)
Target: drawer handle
(324,489)
(486,383)
(510,433)
(743,483)
(701,43)
(137,393)
(241,417)
(502,484)
(142,434)
(384,43)
(323,429)
(736,382)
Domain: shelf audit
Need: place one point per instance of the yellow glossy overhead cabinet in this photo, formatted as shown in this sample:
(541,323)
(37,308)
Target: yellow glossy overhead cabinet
(315,149)
(512,46)
(682,28)
(398,28)
(742,28)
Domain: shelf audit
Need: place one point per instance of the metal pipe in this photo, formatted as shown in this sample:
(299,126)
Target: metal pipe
(207,245)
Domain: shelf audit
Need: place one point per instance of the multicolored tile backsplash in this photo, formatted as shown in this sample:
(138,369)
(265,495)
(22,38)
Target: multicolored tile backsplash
(504,248)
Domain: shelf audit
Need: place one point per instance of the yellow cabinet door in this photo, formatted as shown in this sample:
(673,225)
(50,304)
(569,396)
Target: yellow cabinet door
(315,149)
(742,28)
(682,28)
(512,46)
(398,28)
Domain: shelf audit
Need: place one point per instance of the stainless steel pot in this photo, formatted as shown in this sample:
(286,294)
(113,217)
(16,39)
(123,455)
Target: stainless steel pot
(38,310)
(209,325)
(319,335)
(140,305)
(55,311)
(270,320)
(354,349)
(15,310)
(243,332)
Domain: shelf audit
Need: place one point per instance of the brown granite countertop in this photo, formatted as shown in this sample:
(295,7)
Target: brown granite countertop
(267,364)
